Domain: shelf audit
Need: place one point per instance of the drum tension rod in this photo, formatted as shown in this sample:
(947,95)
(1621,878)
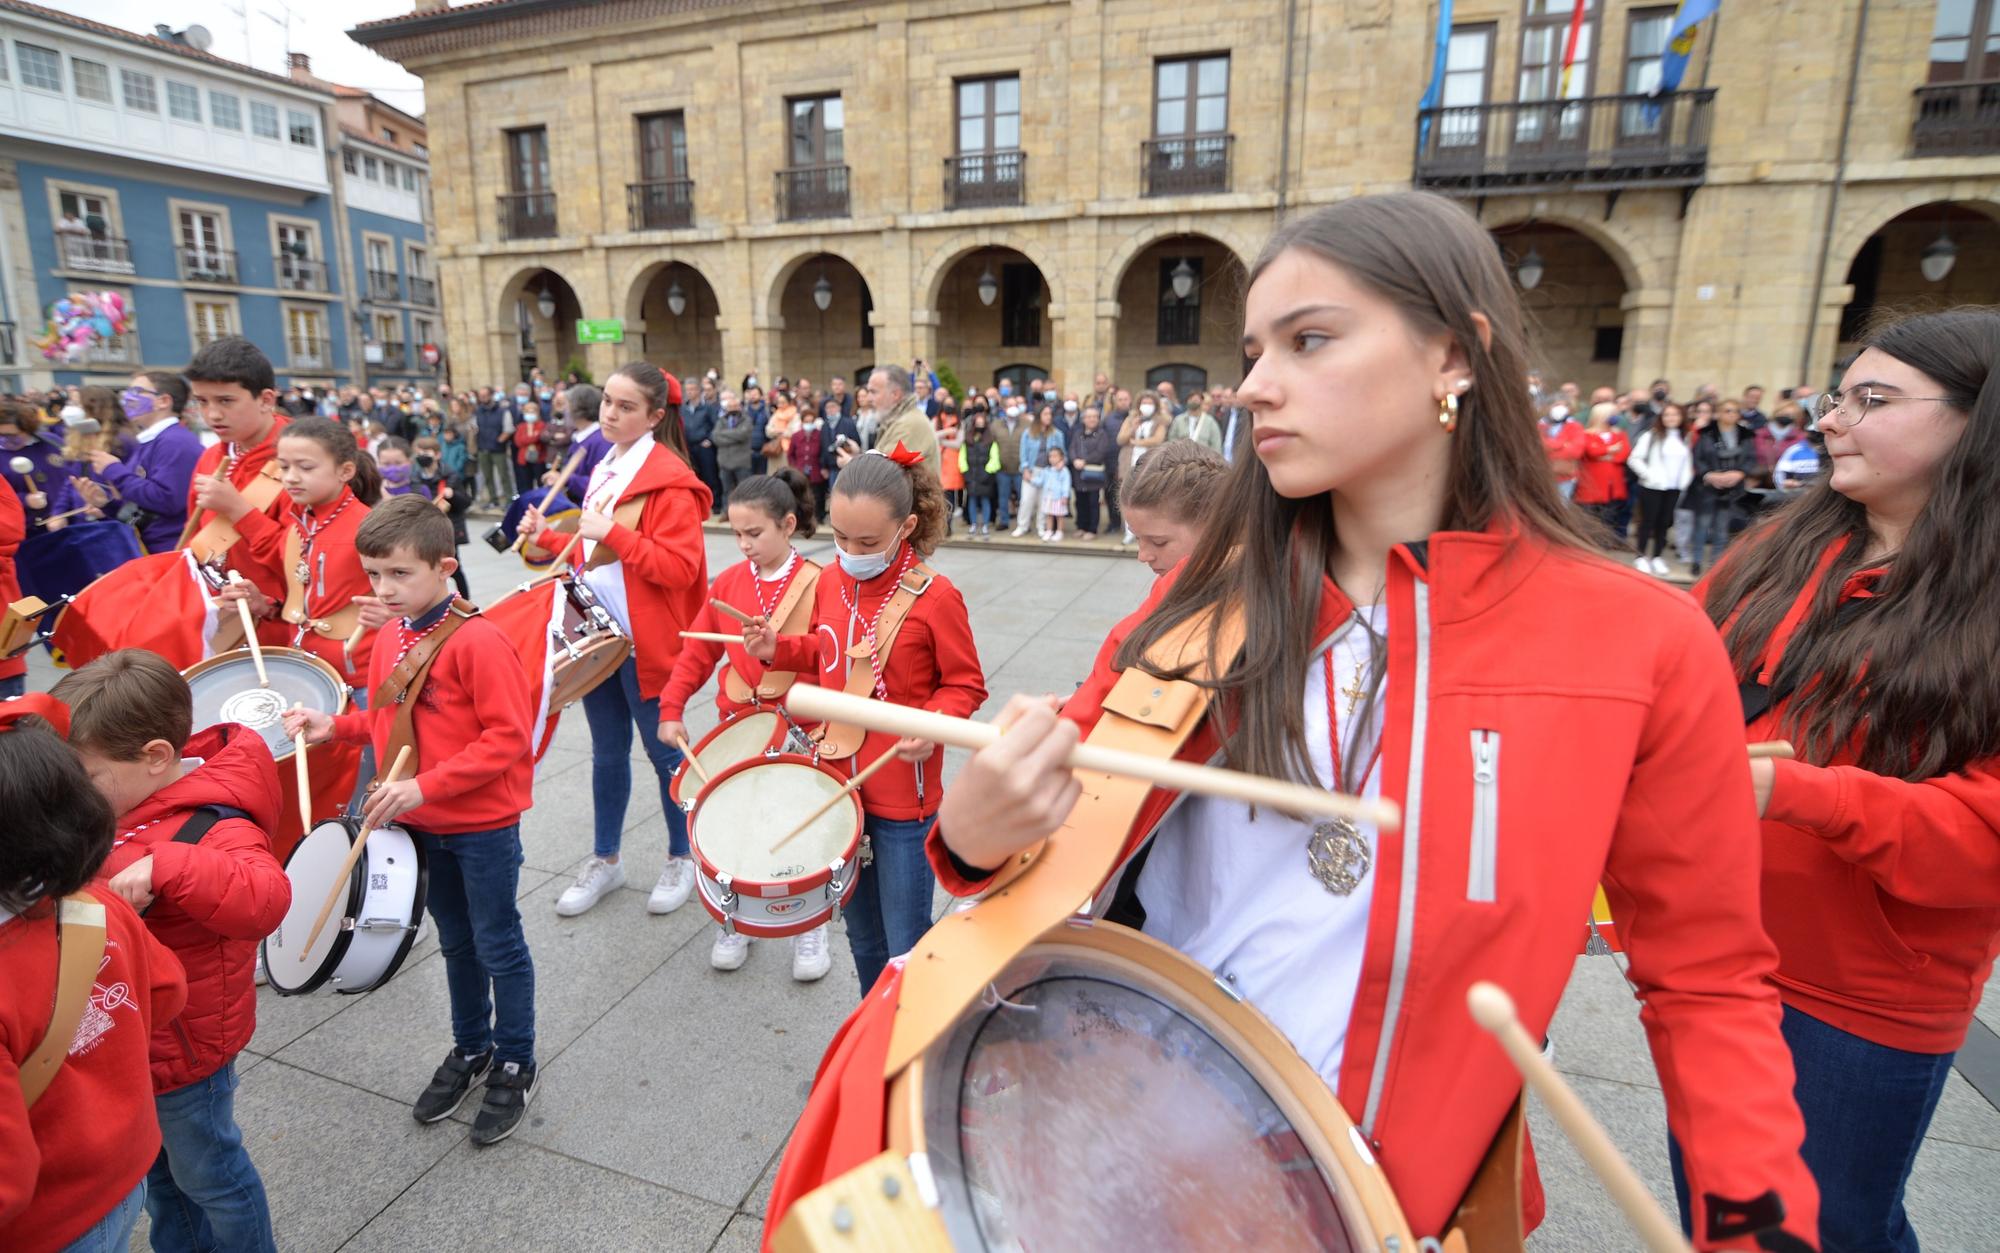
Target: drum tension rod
(991,998)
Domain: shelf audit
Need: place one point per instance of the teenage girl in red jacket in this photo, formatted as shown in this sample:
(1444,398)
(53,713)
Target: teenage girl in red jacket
(652,576)
(767,512)
(1861,622)
(888,514)
(1411,584)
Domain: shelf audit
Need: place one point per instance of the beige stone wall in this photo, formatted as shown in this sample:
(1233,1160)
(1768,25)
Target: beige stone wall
(1716,286)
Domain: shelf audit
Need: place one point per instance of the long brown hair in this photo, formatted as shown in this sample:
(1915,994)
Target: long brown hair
(1266,554)
(1915,669)
(653,381)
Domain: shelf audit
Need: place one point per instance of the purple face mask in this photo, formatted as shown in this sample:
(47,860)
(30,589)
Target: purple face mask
(396,476)
(136,403)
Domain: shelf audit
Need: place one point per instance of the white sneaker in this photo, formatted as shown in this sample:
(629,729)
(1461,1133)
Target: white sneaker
(730,950)
(1055,537)
(810,960)
(1660,567)
(1643,564)
(1019,531)
(598,877)
(675,885)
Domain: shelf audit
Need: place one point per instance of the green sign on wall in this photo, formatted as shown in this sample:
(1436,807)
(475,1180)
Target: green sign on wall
(600,331)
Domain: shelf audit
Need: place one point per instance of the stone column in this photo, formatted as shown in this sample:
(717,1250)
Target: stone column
(1648,317)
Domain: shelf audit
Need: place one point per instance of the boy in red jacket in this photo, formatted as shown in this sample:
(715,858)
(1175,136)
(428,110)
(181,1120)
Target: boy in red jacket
(461,705)
(193,853)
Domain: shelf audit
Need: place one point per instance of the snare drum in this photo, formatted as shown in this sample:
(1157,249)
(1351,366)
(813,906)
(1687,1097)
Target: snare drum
(1108,1092)
(758,733)
(744,885)
(585,650)
(370,931)
(226,689)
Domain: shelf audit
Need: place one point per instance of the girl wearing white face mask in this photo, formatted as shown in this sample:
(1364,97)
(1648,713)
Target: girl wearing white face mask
(1144,429)
(886,625)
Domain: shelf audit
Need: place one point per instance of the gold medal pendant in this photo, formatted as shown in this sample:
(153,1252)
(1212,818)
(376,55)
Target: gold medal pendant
(1338,856)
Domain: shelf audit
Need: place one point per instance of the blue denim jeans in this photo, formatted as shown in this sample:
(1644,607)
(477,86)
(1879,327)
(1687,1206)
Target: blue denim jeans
(113,1232)
(203,1193)
(1714,525)
(1867,1107)
(1010,491)
(891,906)
(979,510)
(614,709)
(16,686)
(474,879)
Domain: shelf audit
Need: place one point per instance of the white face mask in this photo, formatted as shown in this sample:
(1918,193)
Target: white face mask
(862,567)
(1145,411)
(1069,406)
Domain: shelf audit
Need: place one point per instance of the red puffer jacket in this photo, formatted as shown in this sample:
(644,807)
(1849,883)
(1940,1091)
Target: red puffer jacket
(213,900)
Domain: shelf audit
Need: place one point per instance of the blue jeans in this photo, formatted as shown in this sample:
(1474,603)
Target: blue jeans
(1010,491)
(203,1192)
(474,878)
(113,1232)
(979,510)
(891,906)
(1866,1108)
(613,710)
(16,686)
(1714,525)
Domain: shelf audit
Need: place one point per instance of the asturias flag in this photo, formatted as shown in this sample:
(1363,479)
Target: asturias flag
(1680,42)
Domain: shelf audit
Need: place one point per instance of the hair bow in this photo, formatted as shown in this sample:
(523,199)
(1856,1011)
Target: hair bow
(35,704)
(901,455)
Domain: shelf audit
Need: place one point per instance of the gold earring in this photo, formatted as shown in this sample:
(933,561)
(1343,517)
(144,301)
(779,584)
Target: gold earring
(1448,412)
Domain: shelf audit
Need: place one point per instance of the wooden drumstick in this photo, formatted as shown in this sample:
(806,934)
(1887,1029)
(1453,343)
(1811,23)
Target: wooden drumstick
(555,490)
(813,703)
(730,611)
(250,633)
(1493,1009)
(353,855)
(57,517)
(1772,748)
(853,785)
(687,755)
(712,637)
(305,784)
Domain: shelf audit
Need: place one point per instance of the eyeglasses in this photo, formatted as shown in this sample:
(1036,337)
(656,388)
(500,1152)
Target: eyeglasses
(1864,403)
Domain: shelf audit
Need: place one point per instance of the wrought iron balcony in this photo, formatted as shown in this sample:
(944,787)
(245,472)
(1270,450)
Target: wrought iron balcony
(660,204)
(528,215)
(205,265)
(1186,165)
(301,273)
(113,350)
(423,291)
(99,254)
(1597,143)
(983,180)
(384,285)
(395,354)
(812,191)
(309,353)
(1957,120)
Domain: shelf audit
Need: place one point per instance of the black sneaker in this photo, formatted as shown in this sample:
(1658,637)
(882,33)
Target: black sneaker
(508,1091)
(450,1085)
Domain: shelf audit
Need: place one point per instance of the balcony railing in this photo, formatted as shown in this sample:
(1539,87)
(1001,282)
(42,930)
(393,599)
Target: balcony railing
(301,273)
(423,291)
(661,204)
(1186,165)
(8,343)
(528,215)
(1957,119)
(1598,143)
(309,354)
(812,191)
(395,354)
(205,265)
(112,350)
(982,180)
(383,285)
(100,254)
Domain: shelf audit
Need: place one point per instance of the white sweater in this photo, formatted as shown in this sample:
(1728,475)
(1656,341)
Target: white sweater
(1662,464)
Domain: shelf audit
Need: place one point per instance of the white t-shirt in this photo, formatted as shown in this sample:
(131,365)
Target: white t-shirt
(1236,894)
(608,480)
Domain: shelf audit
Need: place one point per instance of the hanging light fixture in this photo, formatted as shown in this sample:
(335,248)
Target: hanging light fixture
(823,293)
(989,287)
(1183,279)
(1940,254)
(546,303)
(677,301)
(1529,272)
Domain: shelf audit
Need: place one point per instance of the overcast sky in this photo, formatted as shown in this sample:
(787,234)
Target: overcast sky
(260,32)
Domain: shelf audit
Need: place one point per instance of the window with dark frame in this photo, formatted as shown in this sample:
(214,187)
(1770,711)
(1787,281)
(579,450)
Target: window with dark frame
(1020,305)
(662,146)
(528,160)
(817,130)
(1645,44)
(1544,33)
(1191,96)
(1180,317)
(989,114)
(1965,41)
(1468,85)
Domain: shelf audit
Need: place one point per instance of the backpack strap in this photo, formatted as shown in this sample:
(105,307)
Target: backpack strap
(839,740)
(80,936)
(199,823)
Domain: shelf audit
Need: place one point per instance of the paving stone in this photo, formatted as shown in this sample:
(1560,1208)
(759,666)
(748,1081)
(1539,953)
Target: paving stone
(744,1234)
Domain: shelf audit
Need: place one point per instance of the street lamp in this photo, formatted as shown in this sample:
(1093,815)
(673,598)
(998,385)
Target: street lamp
(823,293)
(1183,279)
(1939,257)
(1529,272)
(677,301)
(989,287)
(546,303)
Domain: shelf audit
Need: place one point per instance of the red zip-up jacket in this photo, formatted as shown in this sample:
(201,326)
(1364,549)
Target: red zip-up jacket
(1481,631)
(932,665)
(334,578)
(1565,445)
(94,1134)
(263,567)
(213,900)
(1601,477)
(665,560)
(736,586)
(473,759)
(13,529)
(1883,895)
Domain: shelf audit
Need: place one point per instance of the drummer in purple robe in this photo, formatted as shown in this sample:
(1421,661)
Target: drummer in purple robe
(32,460)
(154,478)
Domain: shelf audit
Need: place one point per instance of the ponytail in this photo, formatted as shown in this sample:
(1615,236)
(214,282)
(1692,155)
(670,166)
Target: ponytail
(782,493)
(905,489)
(339,443)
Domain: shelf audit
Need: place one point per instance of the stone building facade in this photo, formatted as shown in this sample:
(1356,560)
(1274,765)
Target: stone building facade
(1076,186)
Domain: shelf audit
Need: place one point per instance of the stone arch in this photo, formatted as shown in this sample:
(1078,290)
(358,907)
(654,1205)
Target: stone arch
(1614,245)
(638,277)
(510,290)
(930,280)
(1885,209)
(1128,250)
(770,293)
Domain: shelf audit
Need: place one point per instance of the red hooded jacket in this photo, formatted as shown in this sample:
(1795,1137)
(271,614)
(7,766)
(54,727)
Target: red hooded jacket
(1480,631)
(1565,445)
(665,560)
(213,900)
(1601,478)
(94,1134)
(264,567)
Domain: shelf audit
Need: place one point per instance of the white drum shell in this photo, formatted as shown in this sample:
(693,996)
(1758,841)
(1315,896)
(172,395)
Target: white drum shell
(358,949)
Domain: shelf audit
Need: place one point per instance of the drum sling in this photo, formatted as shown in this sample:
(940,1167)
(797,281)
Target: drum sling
(400,689)
(80,938)
(792,617)
(339,625)
(838,740)
(219,535)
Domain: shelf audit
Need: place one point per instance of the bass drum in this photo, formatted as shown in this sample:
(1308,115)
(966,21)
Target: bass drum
(1108,1093)
(372,927)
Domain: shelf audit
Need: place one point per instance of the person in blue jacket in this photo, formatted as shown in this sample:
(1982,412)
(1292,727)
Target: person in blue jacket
(150,488)
(32,461)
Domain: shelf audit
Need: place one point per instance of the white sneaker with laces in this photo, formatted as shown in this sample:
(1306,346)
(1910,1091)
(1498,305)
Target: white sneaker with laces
(675,885)
(598,877)
(730,950)
(810,960)
(1660,567)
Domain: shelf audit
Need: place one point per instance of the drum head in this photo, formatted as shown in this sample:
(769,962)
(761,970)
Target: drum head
(225,689)
(739,739)
(1090,1107)
(743,812)
(576,676)
(312,868)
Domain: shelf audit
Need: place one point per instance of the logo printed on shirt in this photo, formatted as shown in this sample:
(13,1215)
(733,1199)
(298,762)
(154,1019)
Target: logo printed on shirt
(100,1015)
